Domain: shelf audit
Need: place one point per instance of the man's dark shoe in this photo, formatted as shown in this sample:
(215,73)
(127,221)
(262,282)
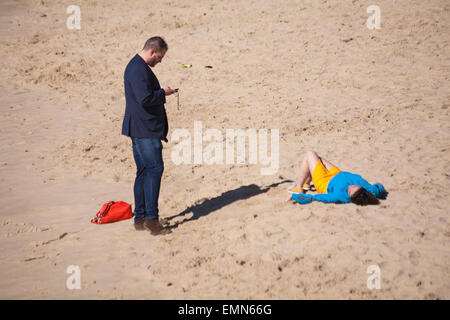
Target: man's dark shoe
(155,227)
(139,226)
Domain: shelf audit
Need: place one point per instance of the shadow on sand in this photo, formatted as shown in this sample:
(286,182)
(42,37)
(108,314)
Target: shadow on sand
(210,205)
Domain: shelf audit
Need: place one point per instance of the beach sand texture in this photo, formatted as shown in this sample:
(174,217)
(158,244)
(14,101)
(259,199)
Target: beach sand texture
(374,102)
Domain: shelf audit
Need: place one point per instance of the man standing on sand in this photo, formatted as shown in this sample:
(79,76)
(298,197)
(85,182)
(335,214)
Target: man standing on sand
(145,122)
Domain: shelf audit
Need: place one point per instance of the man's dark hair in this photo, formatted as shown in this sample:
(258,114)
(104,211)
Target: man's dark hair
(156,43)
(363,197)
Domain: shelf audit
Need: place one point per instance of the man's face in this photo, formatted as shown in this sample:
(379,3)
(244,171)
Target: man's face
(156,57)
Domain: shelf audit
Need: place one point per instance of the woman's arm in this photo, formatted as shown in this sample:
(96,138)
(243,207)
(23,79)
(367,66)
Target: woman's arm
(336,197)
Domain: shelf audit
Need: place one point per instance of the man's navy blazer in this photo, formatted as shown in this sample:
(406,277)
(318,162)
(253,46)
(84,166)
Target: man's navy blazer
(145,115)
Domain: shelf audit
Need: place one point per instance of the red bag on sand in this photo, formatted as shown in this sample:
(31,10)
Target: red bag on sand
(113,211)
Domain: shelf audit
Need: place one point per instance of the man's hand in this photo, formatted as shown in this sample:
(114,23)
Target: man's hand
(168,91)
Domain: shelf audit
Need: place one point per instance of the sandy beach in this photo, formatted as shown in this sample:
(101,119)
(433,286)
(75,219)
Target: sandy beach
(373,101)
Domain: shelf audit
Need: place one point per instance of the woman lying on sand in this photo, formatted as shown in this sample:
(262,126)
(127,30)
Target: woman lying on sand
(333,185)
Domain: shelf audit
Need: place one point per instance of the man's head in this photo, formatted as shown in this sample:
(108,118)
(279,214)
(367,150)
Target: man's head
(154,50)
(362,197)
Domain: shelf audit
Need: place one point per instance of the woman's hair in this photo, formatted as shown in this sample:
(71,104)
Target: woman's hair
(363,197)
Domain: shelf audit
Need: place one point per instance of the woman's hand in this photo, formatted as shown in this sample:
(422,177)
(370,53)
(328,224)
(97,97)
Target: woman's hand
(288,198)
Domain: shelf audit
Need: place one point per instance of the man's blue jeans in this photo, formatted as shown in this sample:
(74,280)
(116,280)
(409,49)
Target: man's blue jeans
(147,153)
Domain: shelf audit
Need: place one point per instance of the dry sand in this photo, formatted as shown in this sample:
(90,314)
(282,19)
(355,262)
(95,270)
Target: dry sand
(375,102)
